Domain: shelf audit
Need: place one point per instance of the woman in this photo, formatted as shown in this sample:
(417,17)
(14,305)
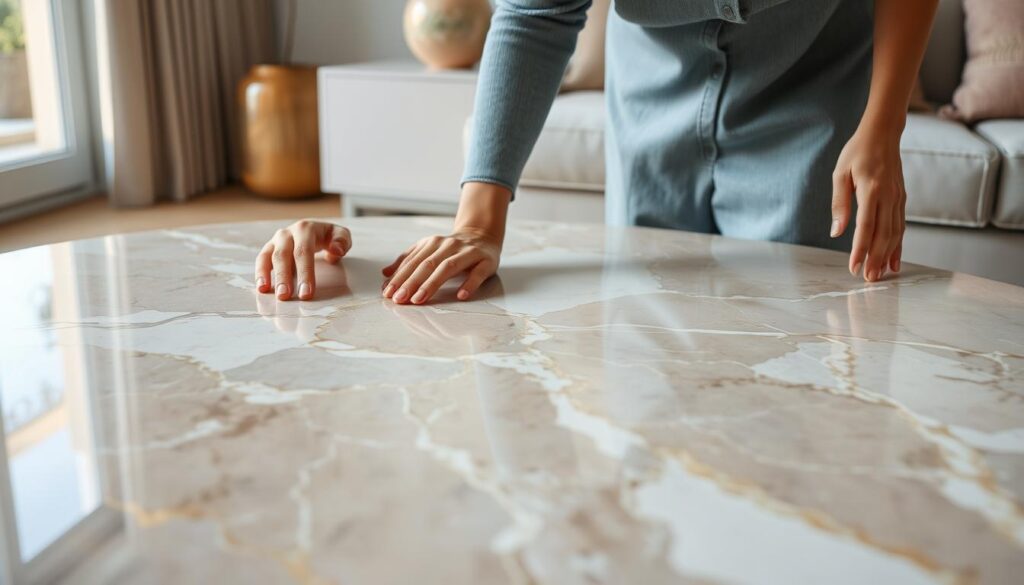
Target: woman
(737,117)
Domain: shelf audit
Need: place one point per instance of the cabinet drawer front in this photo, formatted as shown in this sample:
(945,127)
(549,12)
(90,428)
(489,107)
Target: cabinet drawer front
(393,136)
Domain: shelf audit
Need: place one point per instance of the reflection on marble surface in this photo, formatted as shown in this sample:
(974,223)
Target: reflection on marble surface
(620,406)
(52,472)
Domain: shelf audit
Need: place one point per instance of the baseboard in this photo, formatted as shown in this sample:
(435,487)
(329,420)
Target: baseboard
(46,203)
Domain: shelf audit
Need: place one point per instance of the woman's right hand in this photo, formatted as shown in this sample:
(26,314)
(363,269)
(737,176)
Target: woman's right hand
(289,256)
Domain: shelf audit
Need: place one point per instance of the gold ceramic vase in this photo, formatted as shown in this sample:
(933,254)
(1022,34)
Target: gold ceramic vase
(280,137)
(447,34)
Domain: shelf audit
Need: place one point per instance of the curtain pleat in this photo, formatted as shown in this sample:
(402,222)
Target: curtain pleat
(174,67)
(211,121)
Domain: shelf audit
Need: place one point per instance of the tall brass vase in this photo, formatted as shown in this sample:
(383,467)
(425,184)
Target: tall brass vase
(280,137)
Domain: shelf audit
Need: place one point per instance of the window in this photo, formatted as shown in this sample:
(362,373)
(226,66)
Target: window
(52,513)
(45,144)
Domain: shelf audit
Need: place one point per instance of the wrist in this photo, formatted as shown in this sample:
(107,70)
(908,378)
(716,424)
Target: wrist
(887,123)
(483,208)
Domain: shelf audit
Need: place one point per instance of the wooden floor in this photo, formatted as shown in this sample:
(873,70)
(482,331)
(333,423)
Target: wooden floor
(94,217)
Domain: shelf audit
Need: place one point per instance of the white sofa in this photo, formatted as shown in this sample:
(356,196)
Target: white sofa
(965,186)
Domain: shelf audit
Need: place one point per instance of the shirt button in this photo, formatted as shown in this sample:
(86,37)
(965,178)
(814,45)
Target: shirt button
(728,12)
(717,70)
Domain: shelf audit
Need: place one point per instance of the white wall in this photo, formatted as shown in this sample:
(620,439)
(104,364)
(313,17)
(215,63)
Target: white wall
(344,31)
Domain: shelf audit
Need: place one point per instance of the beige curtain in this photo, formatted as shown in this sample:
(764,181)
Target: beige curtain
(174,69)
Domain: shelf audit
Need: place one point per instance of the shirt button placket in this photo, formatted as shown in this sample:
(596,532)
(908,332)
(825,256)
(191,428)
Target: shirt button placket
(709,109)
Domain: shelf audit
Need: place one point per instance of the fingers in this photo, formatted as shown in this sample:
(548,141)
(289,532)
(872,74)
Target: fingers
(446,270)
(901,209)
(310,237)
(422,271)
(304,252)
(263,267)
(842,201)
(895,234)
(481,272)
(337,241)
(427,266)
(869,168)
(877,252)
(862,236)
(284,264)
(394,289)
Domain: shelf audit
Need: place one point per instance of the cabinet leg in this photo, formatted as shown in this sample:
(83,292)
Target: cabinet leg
(349,208)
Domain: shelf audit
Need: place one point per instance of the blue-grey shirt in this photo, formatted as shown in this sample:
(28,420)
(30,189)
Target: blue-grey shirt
(527,50)
(724,116)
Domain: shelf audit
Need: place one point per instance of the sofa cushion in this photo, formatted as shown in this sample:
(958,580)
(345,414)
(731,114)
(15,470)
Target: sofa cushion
(992,85)
(1008,137)
(586,66)
(950,172)
(569,153)
(570,150)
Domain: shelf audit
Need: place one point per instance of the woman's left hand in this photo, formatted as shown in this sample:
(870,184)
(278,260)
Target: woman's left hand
(870,167)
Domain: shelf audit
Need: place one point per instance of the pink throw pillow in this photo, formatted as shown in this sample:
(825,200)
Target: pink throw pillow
(993,80)
(586,67)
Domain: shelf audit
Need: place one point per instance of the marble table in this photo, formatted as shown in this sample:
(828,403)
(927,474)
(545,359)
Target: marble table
(619,406)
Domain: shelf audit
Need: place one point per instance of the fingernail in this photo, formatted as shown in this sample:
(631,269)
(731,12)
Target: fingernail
(856,269)
(388,290)
(282,290)
(261,282)
(463,295)
(872,275)
(835,228)
(418,297)
(400,295)
(304,290)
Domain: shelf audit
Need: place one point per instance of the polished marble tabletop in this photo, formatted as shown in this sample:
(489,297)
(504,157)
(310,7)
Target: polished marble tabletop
(619,406)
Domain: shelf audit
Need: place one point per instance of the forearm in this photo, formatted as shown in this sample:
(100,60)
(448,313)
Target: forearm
(900,37)
(527,49)
(525,55)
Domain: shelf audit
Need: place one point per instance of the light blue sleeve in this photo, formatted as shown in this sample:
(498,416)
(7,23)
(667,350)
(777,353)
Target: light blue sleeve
(524,58)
